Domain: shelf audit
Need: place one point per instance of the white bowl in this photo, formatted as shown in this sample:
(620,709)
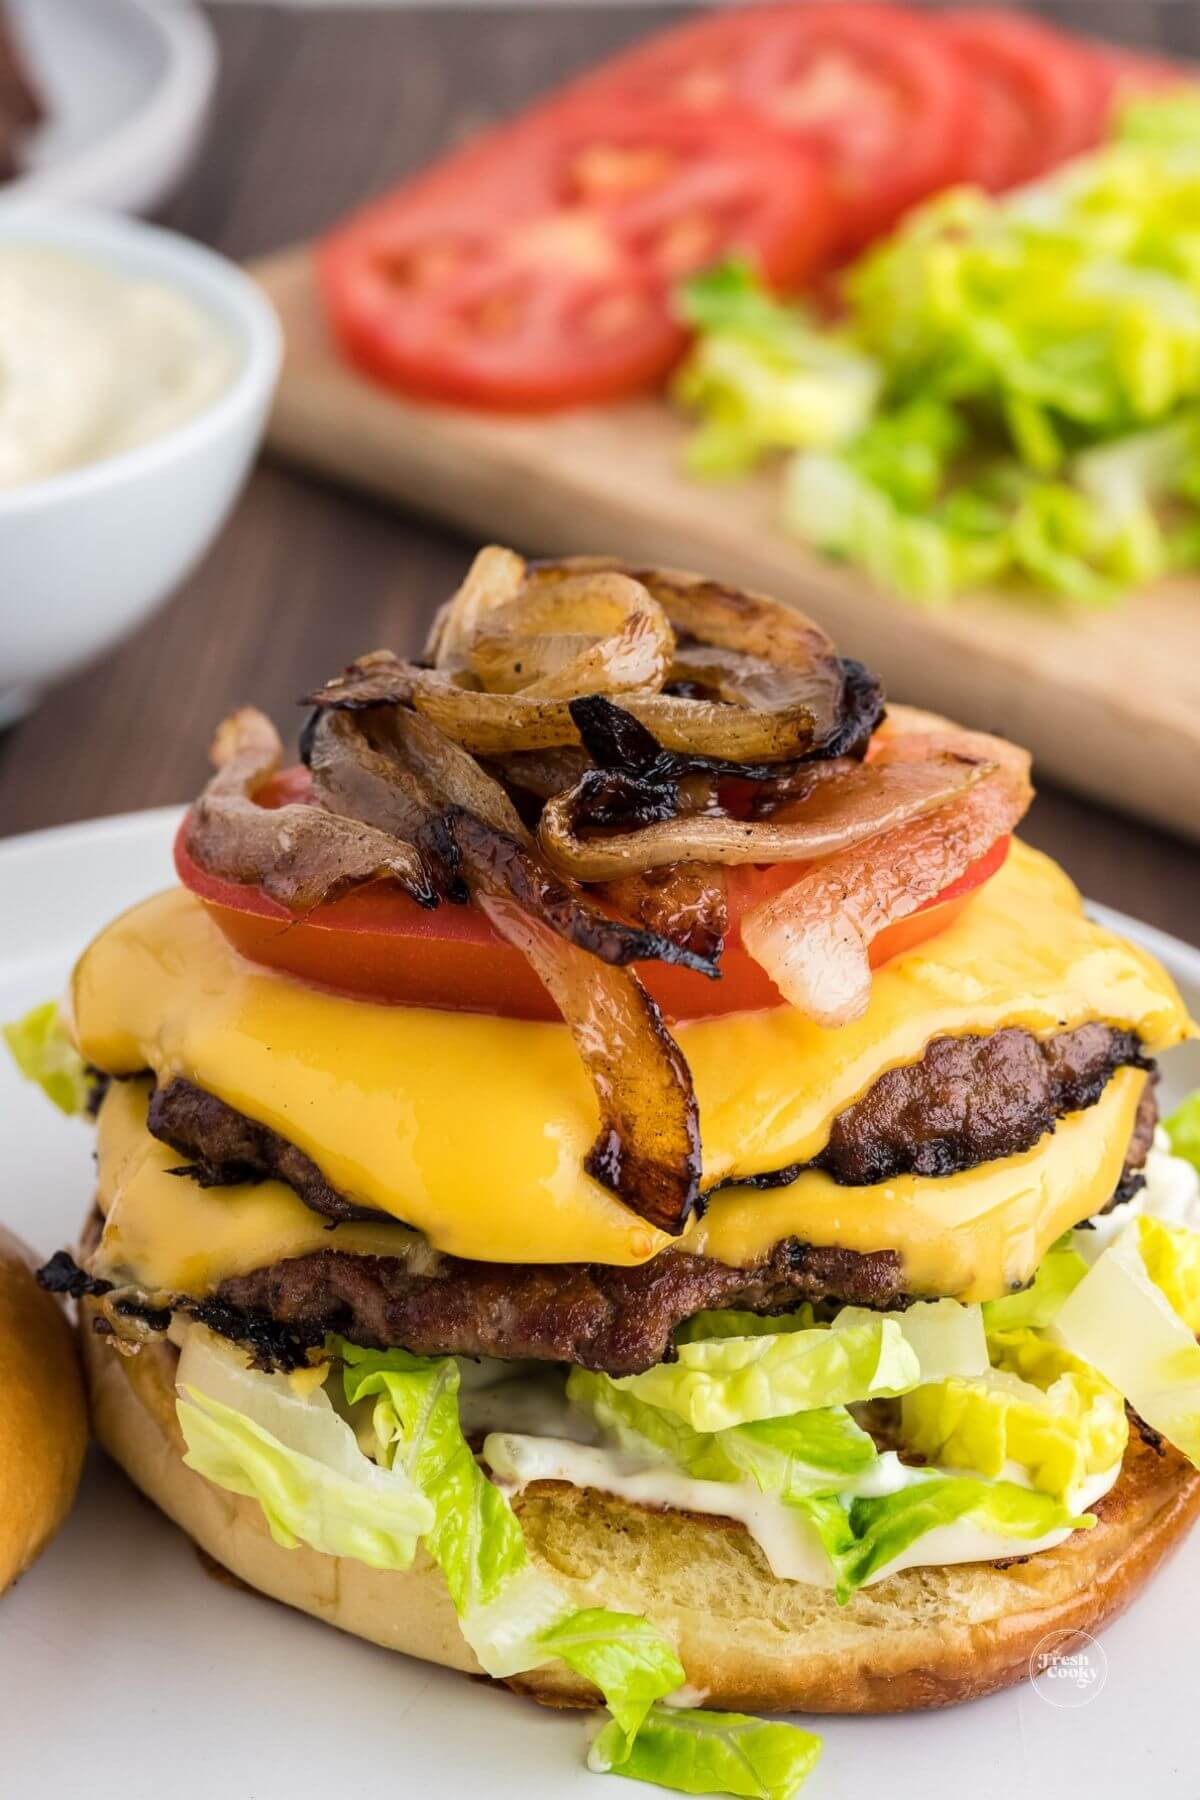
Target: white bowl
(85,555)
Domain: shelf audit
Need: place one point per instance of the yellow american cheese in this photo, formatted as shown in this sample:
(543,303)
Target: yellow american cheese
(473,1129)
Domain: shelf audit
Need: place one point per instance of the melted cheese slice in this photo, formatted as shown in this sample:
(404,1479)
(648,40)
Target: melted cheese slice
(473,1129)
(973,1236)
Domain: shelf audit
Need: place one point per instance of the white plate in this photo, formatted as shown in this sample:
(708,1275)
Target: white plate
(126,86)
(126,1668)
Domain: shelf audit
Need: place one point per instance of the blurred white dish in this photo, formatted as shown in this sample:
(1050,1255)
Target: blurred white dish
(126,86)
(86,554)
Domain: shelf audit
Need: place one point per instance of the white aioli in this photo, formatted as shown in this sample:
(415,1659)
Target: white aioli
(785,1538)
(92,363)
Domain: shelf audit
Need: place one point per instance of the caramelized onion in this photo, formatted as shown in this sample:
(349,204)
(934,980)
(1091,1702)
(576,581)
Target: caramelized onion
(648,1148)
(580,634)
(392,770)
(859,803)
(814,939)
(299,855)
(686,902)
(493,579)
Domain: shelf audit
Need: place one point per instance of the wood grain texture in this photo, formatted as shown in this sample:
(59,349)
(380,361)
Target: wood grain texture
(1109,701)
(313,112)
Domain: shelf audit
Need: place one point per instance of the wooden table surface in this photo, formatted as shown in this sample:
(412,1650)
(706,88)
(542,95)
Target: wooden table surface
(314,111)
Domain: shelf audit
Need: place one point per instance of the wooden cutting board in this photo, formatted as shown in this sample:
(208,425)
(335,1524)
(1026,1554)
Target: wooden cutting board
(1108,701)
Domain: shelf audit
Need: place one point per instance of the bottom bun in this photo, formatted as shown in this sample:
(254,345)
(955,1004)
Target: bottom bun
(748,1641)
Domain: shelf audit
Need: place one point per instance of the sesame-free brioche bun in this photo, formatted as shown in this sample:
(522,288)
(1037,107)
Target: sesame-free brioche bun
(749,1641)
(43,1419)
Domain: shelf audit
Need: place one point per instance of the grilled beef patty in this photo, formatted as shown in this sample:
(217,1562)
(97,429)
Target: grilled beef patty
(969,1100)
(616,1320)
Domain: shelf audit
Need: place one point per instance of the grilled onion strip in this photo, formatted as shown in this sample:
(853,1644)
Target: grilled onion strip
(299,855)
(814,938)
(857,804)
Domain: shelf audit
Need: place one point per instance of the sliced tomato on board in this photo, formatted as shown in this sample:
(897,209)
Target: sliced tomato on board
(1041,96)
(380,945)
(537,268)
(873,89)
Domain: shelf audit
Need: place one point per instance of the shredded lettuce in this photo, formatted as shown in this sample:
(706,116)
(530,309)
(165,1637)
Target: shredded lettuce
(863,1535)
(763,377)
(259,1435)
(710,1753)
(730,1381)
(623,1655)
(1121,1322)
(805,1453)
(1171,1254)
(1183,1130)
(502,1603)
(44,1053)
(1038,1408)
(1012,390)
(1059,1273)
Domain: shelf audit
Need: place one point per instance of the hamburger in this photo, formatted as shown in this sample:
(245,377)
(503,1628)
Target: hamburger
(620,1172)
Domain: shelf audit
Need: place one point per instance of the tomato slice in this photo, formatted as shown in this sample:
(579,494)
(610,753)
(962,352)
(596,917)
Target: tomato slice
(536,269)
(380,945)
(873,89)
(1041,96)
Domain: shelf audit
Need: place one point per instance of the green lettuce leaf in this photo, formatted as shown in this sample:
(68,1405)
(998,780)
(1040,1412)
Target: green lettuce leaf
(1059,1273)
(44,1053)
(710,1753)
(258,1435)
(864,1535)
(623,1655)
(731,1381)
(805,1453)
(503,1604)
(1183,1130)
(1037,1407)
(762,377)
(1121,1322)
(1171,1254)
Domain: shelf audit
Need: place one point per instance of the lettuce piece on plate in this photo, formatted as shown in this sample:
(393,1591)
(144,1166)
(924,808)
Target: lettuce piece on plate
(1171,1254)
(710,1753)
(762,377)
(861,1536)
(1183,1130)
(1038,1408)
(1121,1322)
(265,1437)
(721,1382)
(44,1053)
(623,1655)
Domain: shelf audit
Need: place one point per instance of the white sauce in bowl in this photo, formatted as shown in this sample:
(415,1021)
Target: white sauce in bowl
(93,362)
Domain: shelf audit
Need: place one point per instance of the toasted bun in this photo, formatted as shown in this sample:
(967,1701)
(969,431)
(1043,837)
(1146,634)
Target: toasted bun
(924,1637)
(43,1420)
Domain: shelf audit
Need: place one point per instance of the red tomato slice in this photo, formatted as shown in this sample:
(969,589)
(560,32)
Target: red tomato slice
(380,945)
(1040,96)
(536,269)
(873,89)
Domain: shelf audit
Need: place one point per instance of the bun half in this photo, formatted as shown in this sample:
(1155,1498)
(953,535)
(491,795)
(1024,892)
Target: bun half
(43,1419)
(748,1641)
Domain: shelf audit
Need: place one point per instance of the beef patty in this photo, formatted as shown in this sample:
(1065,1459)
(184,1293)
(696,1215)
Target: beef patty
(968,1100)
(613,1319)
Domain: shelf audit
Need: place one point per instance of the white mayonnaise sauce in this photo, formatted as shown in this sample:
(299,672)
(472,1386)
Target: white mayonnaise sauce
(1171,1193)
(785,1538)
(92,362)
